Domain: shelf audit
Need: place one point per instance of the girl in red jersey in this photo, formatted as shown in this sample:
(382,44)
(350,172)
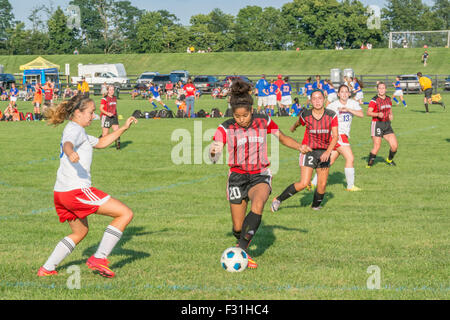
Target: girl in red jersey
(249,178)
(320,138)
(108,109)
(380,109)
(74,197)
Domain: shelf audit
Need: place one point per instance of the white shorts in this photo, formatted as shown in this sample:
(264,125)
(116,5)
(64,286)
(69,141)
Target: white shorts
(398,93)
(13,99)
(272,100)
(262,101)
(286,100)
(332,97)
(158,98)
(359,95)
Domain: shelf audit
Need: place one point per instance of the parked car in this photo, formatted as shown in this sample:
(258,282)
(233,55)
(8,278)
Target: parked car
(161,79)
(111,73)
(147,77)
(183,75)
(224,81)
(409,83)
(206,83)
(447,83)
(6,79)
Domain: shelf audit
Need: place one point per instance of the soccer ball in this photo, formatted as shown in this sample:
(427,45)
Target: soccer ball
(234,259)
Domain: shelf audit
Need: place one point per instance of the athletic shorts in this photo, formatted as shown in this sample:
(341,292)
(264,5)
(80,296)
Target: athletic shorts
(13,99)
(262,101)
(398,93)
(108,122)
(286,100)
(312,159)
(359,95)
(428,93)
(158,98)
(342,141)
(239,184)
(272,100)
(381,128)
(78,203)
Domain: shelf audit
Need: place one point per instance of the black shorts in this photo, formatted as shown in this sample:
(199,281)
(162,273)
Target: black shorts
(428,93)
(108,122)
(381,128)
(312,159)
(239,184)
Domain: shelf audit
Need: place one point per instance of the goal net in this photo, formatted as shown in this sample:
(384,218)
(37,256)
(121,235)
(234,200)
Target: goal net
(419,39)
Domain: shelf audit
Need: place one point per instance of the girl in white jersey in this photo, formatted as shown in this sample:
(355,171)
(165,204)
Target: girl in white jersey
(74,196)
(346,109)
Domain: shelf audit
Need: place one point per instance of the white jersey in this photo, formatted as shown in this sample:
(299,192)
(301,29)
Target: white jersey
(344,118)
(77,175)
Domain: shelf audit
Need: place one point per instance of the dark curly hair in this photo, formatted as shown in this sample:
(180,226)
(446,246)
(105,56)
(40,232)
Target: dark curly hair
(241,95)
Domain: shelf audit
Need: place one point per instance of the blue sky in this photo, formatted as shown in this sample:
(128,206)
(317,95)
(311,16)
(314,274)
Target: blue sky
(183,9)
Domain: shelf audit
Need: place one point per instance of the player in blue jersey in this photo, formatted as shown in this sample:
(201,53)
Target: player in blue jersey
(296,108)
(357,90)
(272,98)
(286,99)
(318,84)
(308,90)
(13,94)
(398,91)
(331,92)
(262,90)
(154,90)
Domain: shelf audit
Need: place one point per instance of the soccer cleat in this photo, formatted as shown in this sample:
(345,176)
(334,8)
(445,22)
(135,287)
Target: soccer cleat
(100,265)
(354,188)
(317,208)
(118,145)
(275,205)
(390,162)
(42,272)
(251,263)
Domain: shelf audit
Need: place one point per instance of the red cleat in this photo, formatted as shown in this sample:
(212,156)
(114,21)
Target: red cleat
(45,273)
(100,265)
(251,263)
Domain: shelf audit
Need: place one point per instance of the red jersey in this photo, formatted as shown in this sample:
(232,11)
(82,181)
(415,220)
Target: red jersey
(48,94)
(381,105)
(189,89)
(247,147)
(318,132)
(279,83)
(109,104)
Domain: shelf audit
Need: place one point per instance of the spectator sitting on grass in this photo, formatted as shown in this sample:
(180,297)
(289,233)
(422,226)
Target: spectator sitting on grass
(215,92)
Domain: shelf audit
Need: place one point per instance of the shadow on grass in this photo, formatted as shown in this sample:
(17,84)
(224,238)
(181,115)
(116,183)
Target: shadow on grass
(265,237)
(131,255)
(123,144)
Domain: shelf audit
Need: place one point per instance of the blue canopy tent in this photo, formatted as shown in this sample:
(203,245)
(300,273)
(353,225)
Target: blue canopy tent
(33,76)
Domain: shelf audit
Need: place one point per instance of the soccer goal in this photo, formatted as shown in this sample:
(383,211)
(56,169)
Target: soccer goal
(419,39)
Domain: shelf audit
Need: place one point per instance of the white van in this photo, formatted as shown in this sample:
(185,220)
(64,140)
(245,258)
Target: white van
(111,73)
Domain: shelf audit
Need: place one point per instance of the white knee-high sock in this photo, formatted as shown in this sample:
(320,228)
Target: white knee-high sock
(110,238)
(62,250)
(350,177)
(314,180)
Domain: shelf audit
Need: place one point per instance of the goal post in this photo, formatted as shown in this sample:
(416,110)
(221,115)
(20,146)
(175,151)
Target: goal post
(418,39)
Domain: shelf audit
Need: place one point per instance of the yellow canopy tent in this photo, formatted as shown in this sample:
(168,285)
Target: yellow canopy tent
(39,63)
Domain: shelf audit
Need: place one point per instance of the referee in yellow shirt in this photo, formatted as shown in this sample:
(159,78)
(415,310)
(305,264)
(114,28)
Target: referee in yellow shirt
(427,87)
(83,87)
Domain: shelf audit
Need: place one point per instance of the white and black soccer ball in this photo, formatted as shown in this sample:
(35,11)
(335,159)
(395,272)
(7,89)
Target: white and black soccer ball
(234,259)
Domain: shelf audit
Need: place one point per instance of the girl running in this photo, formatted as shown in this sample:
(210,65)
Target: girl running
(250,178)
(320,138)
(346,109)
(380,109)
(398,91)
(75,199)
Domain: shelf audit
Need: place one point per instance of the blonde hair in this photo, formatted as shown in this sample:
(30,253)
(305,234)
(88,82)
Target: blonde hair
(64,111)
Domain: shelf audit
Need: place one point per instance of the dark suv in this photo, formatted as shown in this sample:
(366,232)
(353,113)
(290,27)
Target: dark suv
(161,79)
(225,81)
(206,83)
(6,79)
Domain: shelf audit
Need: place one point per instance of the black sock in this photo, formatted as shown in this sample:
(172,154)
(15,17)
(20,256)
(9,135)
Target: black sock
(426,107)
(318,198)
(287,193)
(237,234)
(249,228)
(371,159)
(391,154)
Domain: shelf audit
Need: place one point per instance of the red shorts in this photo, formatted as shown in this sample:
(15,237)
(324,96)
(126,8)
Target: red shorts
(78,203)
(342,141)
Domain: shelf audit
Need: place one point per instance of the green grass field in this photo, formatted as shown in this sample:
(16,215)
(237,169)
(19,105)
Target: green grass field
(308,62)
(171,250)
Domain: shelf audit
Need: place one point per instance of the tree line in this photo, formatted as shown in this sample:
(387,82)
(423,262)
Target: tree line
(112,27)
